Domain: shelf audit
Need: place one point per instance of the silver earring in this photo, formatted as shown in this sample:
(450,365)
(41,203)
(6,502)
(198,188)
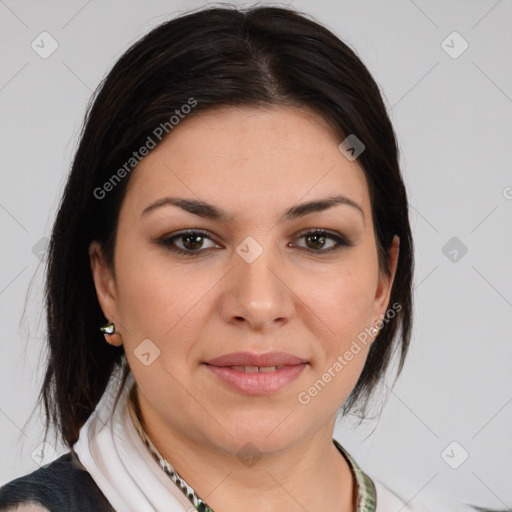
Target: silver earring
(108,329)
(375,331)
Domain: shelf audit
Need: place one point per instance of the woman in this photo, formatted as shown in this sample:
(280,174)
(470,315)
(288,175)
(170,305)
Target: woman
(229,270)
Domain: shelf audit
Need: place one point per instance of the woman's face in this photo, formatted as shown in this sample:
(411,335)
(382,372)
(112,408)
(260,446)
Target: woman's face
(251,280)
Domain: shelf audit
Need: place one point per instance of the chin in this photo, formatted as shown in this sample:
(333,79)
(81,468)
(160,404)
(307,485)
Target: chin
(267,437)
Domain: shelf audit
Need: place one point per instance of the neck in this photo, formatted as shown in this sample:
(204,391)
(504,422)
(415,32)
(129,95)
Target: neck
(310,474)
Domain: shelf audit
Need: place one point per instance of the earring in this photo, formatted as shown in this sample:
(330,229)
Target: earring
(375,331)
(109,330)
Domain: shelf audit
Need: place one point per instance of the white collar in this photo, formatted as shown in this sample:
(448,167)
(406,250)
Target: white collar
(111,450)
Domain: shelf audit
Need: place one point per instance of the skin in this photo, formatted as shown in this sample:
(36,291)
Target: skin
(253,163)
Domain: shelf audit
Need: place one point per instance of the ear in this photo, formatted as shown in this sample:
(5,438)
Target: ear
(104,281)
(385,283)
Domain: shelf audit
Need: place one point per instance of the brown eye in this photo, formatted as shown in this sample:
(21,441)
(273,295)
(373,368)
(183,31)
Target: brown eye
(190,243)
(316,241)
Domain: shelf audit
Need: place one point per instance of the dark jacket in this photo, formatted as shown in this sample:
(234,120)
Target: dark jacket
(64,485)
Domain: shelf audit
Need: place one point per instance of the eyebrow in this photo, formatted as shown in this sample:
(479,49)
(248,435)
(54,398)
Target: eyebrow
(209,211)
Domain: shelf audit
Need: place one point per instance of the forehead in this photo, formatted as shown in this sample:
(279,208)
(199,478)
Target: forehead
(248,155)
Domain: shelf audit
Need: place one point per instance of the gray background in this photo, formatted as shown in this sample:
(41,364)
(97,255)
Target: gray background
(453,118)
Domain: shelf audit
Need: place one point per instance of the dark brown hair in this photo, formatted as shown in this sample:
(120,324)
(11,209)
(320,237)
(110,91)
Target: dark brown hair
(262,56)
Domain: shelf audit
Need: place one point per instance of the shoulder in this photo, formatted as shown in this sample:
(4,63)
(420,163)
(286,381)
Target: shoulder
(388,501)
(26,507)
(62,485)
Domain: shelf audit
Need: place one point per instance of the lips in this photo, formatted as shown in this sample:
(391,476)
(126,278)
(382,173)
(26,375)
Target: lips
(252,361)
(256,374)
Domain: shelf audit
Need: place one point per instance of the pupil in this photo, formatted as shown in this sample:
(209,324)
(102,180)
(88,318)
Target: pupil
(194,245)
(320,240)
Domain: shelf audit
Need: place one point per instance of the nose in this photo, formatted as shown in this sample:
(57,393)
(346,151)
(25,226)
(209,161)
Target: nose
(257,294)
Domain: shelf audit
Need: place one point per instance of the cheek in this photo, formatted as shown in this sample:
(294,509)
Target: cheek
(146,287)
(341,298)
(160,300)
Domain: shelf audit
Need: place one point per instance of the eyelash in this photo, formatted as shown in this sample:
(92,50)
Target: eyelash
(341,242)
